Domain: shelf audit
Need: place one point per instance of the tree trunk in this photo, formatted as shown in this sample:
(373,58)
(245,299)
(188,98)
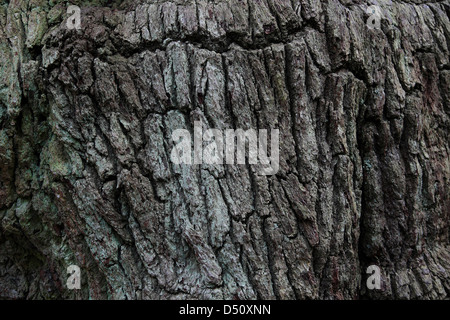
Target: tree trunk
(87,177)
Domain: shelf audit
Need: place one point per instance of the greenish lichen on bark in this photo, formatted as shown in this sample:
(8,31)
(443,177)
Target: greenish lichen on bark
(86,118)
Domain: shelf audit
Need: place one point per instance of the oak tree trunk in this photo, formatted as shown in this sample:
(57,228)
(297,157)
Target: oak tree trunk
(86,177)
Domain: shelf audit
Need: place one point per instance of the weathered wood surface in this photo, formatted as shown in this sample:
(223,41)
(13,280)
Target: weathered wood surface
(85,171)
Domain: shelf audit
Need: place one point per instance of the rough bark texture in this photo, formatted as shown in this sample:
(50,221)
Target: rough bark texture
(85,137)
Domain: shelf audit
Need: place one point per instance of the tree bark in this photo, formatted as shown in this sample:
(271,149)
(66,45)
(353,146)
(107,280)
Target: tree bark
(86,178)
